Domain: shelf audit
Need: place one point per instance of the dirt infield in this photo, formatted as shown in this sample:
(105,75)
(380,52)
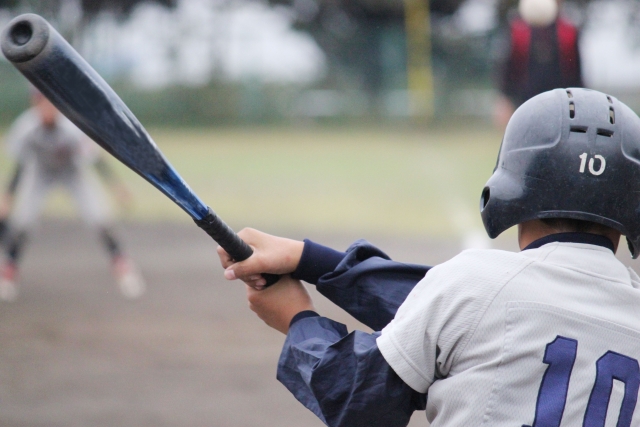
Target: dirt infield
(74,353)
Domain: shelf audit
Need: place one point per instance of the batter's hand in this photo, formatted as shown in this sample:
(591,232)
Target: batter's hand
(271,254)
(278,304)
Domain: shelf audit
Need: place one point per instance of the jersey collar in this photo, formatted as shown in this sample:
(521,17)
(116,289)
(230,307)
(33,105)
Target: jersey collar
(586,238)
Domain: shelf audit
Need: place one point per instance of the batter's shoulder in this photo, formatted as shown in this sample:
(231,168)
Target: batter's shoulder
(482,258)
(480,267)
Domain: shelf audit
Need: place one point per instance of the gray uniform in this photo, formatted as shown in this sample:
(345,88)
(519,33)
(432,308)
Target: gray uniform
(50,157)
(547,337)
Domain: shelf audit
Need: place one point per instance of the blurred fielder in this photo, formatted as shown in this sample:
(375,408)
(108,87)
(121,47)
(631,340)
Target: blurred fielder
(50,151)
(548,336)
(543,54)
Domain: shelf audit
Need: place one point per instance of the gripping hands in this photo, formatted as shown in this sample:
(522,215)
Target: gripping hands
(271,254)
(278,304)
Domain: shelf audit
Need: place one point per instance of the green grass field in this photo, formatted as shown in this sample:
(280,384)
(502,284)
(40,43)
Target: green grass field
(407,182)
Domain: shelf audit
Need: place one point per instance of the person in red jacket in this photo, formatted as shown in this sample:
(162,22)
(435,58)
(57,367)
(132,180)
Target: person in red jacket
(543,55)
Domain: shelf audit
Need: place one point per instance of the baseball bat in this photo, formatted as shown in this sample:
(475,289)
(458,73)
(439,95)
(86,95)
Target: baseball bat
(45,58)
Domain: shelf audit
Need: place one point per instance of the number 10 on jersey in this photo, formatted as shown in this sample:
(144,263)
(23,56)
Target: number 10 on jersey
(560,355)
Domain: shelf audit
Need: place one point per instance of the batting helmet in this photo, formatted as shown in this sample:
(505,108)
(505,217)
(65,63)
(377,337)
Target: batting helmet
(568,153)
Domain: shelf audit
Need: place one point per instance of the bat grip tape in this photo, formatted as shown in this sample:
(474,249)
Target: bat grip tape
(229,240)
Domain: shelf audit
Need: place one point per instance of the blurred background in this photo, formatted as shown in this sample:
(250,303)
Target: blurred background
(314,61)
(328,119)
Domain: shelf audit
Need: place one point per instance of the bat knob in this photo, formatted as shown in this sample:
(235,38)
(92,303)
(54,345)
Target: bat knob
(24,37)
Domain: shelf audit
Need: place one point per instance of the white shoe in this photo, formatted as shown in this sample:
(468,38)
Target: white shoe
(8,290)
(130,280)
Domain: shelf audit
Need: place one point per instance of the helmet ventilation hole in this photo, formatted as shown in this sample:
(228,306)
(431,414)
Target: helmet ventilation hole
(572,110)
(605,132)
(612,116)
(579,129)
(484,199)
(569,94)
(609,99)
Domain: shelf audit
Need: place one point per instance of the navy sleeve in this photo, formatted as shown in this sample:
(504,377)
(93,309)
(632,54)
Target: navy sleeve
(364,281)
(342,377)
(315,261)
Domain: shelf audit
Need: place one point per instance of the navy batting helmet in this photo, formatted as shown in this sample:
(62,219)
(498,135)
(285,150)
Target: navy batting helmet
(568,153)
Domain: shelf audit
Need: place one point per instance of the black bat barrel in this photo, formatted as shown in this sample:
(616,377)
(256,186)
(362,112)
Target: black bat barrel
(25,39)
(77,90)
(45,58)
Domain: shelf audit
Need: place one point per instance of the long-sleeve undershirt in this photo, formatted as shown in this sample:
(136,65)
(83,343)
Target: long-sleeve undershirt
(342,377)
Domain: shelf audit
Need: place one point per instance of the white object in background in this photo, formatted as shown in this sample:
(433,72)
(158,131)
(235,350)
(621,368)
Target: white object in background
(538,13)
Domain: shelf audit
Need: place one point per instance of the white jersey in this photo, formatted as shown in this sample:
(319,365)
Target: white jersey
(544,337)
(57,150)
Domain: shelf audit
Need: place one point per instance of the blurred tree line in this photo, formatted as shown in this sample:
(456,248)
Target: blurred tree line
(89,7)
(364,42)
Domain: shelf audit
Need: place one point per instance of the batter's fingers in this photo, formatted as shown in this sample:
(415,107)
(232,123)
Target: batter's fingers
(225,258)
(229,274)
(257,288)
(256,281)
(258,284)
(249,268)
